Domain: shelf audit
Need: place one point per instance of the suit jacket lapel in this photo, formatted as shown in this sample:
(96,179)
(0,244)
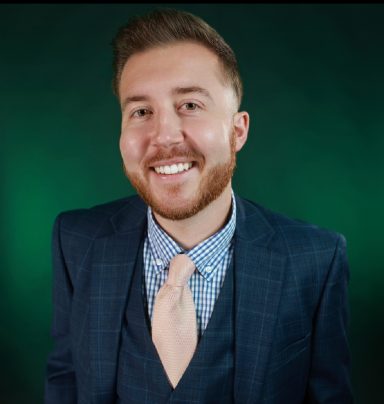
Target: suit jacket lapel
(114,258)
(258,281)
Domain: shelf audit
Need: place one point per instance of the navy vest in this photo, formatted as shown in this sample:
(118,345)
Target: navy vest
(209,377)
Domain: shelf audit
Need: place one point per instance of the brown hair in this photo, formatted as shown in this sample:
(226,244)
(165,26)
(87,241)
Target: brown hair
(164,26)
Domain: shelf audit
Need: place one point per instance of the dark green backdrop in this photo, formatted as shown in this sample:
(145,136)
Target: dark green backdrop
(314,86)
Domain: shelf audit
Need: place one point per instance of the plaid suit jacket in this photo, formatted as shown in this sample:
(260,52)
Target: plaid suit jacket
(291,307)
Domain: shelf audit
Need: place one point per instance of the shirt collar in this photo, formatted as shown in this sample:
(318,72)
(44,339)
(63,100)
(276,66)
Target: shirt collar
(206,255)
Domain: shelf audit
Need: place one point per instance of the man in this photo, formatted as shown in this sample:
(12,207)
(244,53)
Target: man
(260,314)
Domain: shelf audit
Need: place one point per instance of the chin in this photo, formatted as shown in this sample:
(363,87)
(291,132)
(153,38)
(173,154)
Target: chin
(176,210)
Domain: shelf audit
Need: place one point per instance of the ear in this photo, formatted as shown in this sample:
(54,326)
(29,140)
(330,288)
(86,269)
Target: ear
(241,127)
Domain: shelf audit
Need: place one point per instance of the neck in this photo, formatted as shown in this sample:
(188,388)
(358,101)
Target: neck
(192,231)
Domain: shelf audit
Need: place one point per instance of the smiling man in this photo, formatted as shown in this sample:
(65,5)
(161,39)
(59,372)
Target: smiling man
(187,292)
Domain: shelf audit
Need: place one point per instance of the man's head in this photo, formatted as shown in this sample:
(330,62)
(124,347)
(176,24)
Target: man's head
(164,27)
(180,125)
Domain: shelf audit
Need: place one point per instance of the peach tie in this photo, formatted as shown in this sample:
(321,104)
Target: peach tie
(174,330)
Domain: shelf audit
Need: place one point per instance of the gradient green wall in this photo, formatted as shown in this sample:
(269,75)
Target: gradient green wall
(314,85)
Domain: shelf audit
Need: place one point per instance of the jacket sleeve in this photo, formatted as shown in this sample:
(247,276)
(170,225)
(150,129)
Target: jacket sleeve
(60,383)
(329,379)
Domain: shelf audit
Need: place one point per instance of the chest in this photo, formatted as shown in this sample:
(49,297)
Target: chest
(140,372)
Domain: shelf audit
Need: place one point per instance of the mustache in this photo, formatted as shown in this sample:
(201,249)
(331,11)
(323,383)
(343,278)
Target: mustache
(176,152)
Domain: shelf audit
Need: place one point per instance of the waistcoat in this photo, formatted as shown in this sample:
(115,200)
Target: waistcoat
(209,377)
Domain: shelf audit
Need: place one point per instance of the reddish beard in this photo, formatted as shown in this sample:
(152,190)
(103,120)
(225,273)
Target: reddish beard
(211,187)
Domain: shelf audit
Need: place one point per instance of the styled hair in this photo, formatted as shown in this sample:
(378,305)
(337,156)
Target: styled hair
(162,27)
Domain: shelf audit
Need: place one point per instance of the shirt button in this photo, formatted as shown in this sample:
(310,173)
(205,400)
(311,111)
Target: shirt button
(208,269)
(158,261)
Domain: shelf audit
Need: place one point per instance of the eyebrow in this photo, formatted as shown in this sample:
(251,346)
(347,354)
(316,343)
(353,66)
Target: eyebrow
(175,91)
(192,89)
(134,98)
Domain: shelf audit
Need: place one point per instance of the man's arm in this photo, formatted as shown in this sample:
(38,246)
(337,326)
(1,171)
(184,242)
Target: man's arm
(329,379)
(60,384)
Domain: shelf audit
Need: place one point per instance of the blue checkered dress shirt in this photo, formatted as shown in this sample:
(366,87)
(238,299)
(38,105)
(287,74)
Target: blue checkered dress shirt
(211,258)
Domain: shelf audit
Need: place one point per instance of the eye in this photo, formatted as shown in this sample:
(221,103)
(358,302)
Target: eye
(190,106)
(140,113)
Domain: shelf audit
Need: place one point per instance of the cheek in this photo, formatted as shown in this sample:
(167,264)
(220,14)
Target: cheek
(209,137)
(132,147)
(213,140)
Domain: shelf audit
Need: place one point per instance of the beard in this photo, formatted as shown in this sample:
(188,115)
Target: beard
(211,186)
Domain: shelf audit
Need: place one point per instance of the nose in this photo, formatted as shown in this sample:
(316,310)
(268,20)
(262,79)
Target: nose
(167,129)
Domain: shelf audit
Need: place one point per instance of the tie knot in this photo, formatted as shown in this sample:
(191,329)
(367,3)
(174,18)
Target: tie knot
(181,268)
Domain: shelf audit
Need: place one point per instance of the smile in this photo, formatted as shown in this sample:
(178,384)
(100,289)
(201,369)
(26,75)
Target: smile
(173,169)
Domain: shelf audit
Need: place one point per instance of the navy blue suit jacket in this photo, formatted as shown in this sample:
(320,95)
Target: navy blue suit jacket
(291,308)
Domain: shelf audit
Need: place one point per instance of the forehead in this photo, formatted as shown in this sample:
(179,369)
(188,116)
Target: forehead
(177,64)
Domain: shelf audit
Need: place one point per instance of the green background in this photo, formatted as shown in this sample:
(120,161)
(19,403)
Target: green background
(314,85)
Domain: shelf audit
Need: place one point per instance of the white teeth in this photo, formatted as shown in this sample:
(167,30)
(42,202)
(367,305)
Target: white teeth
(173,169)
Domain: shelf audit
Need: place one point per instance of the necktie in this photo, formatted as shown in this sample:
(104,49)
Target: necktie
(174,330)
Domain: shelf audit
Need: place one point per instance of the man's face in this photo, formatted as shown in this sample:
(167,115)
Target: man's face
(180,131)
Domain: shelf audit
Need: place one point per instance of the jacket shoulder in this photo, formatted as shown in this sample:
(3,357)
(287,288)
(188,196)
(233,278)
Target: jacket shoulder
(294,235)
(96,220)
